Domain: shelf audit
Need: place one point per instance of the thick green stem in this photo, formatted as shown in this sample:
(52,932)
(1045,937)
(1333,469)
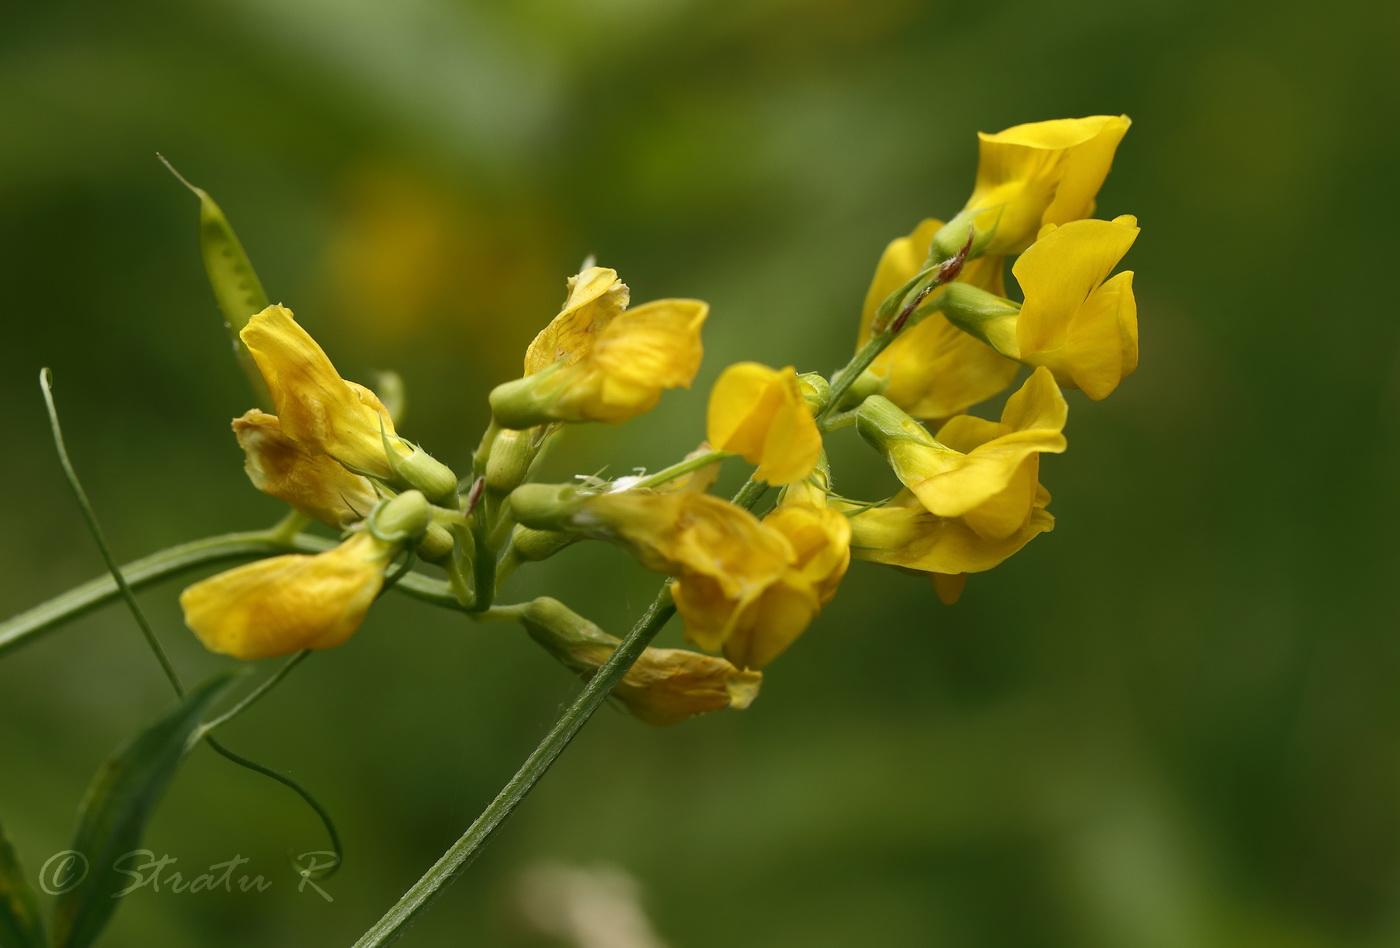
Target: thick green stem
(404,912)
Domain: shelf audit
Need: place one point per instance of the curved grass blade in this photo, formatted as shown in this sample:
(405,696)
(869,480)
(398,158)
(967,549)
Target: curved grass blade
(20,925)
(114,814)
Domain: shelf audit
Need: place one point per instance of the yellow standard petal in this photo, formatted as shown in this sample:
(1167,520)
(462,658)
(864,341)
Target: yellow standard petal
(288,603)
(315,406)
(1073,322)
(314,484)
(1036,174)
(599,362)
(760,414)
(595,297)
(935,370)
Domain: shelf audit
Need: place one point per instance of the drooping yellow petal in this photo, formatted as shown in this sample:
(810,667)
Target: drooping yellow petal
(314,484)
(1040,173)
(315,406)
(760,414)
(664,686)
(288,603)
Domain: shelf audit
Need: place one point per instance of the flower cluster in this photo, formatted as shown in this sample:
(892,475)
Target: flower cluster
(937,336)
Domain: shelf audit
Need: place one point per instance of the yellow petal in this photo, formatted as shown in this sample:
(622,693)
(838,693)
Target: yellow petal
(760,414)
(595,297)
(1042,172)
(912,538)
(1101,347)
(315,406)
(314,484)
(288,603)
(1059,272)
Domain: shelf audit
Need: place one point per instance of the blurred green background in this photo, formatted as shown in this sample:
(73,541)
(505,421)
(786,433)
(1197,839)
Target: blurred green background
(1172,722)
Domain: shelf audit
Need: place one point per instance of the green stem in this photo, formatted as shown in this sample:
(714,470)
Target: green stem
(268,684)
(846,376)
(404,912)
(683,467)
(46,383)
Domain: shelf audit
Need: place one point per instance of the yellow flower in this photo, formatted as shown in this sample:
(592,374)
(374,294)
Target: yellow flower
(935,370)
(315,406)
(597,361)
(903,533)
(288,603)
(595,297)
(759,413)
(1036,174)
(315,484)
(720,554)
(744,586)
(664,686)
(1073,322)
(820,538)
(980,471)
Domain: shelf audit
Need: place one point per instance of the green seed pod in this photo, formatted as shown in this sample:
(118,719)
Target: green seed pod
(236,286)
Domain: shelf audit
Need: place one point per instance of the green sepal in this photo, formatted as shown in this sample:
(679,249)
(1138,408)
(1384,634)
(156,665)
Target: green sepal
(20,924)
(116,808)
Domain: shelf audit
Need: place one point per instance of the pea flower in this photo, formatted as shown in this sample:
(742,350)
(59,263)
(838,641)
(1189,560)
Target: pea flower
(597,361)
(284,604)
(329,415)
(1032,175)
(904,534)
(664,686)
(288,603)
(1074,322)
(981,471)
(760,414)
(723,558)
(934,370)
(313,484)
(820,538)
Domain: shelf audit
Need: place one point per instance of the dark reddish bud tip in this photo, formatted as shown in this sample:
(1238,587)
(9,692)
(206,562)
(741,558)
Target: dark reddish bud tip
(950,270)
(909,309)
(474,495)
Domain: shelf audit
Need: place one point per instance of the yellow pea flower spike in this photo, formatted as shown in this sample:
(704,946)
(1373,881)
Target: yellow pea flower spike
(760,414)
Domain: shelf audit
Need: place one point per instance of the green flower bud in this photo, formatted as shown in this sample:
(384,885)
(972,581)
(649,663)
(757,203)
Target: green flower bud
(982,315)
(399,518)
(544,506)
(437,544)
(426,473)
